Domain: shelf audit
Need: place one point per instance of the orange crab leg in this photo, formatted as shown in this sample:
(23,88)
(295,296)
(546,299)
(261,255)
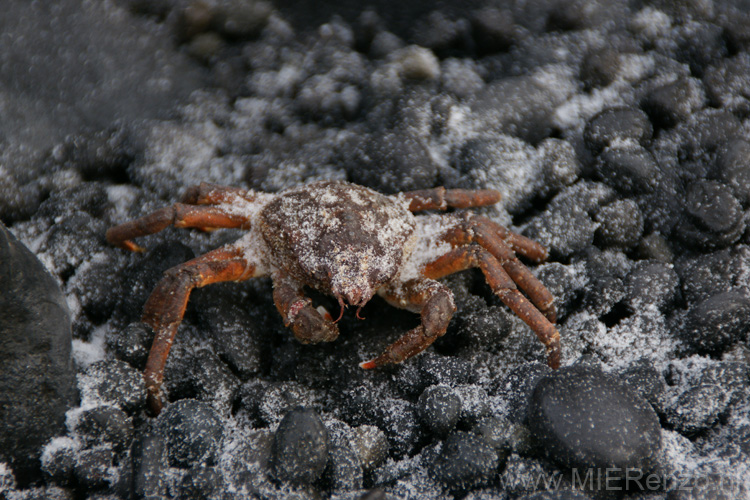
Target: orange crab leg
(442,199)
(165,307)
(504,287)
(214,194)
(179,215)
(435,303)
(501,243)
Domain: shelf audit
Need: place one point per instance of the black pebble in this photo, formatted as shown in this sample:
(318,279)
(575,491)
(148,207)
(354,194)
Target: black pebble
(620,224)
(651,283)
(599,67)
(115,382)
(645,380)
(464,460)
(105,424)
(439,408)
(629,169)
(37,381)
(696,409)
(193,431)
(199,483)
(390,162)
(672,103)
(617,123)
(149,453)
(712,207)
(717,322)
(92,467)
(585,418)
(300,447)
(733,168)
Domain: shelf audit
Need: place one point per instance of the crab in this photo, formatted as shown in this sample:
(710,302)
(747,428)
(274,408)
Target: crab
(349,242)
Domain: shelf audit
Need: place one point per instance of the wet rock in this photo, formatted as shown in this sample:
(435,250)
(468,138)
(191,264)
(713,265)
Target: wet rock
(390,162)
(715,217)
(630,169)
(505,163)
(58,460)
(585,418)
(674,102)
(300,447)
(201,374)
(727,84)
(493,29)
(37,384)
(105,424)
(280,398)
(236,335)
(717,322)
(504,436)
(733,168)
(706,131)
(706,275)
(200,482)
(113,382)
(193,432)
(617,124)
(643,379)
(521,106)
(700,44)
(371,446)
(651,282)
(92,467)
(464,460)
(620,224)
(518,386)
(599,67)
(474,403)
(696,409)
(132,344)
(439,408)
(150,460)
(344,470)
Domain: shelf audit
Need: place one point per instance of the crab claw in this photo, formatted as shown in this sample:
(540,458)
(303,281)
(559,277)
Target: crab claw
(310,327)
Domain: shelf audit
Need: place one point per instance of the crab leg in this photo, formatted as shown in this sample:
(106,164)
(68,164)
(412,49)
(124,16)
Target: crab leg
(307,323)
(165,307)
(442,199)
(504,287)
(214,194)
(502,243)
(179,215)
(435,303)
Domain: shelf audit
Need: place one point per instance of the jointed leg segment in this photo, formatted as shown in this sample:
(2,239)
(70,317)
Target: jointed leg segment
(435,303)
(504,286)
(179,215)
(165,307)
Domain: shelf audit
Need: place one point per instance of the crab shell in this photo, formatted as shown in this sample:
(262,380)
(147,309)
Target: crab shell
(339,238)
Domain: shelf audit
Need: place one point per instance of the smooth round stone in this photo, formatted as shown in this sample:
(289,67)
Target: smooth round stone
(193,431)
(464,460)
(300,447)
(717,322)
(585,418)
(37,381)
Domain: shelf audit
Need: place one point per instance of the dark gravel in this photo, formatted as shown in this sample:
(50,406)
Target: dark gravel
(616,133)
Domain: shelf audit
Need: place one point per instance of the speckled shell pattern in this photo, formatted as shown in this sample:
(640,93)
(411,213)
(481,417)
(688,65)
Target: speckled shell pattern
(334,235)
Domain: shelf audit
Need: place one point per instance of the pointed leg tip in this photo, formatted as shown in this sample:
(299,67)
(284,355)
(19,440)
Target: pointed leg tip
(368,365)
(129,245)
